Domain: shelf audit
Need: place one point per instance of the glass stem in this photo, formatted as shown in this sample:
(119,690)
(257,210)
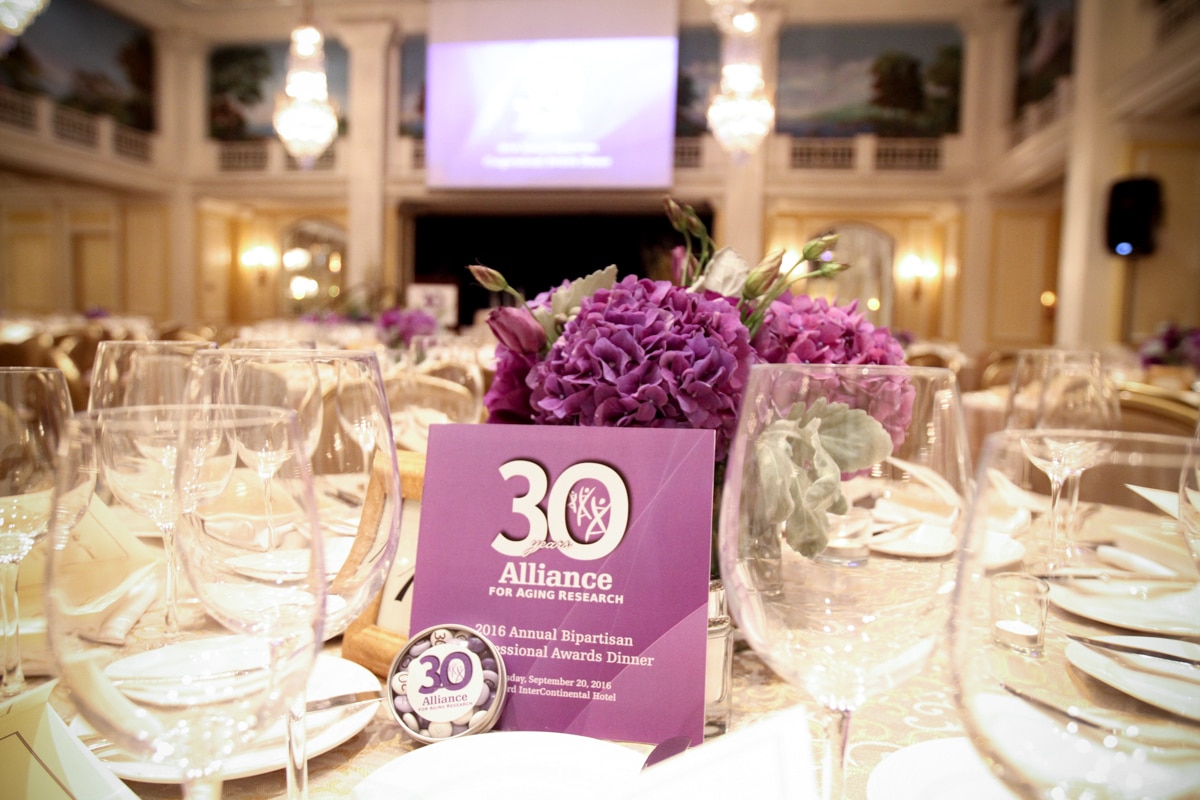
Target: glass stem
(1071,490)
(297,743)
(171,615)
(1055,545)
(833,774)
(13,679)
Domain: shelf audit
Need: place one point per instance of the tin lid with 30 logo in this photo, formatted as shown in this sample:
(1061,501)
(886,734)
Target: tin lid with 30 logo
(448,681)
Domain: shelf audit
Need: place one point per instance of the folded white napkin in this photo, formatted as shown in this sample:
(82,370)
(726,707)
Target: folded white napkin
(769,760)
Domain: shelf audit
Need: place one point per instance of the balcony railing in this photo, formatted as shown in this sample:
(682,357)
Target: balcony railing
(46,119)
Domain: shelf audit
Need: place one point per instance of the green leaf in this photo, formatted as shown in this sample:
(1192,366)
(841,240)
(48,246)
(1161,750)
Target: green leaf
(852,437)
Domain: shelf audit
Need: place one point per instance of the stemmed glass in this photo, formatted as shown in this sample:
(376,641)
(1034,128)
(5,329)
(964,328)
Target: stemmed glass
(192,699)
(352,455)
(34,405)
(437,379)
(828,466)
(141,373)
(1051,704)
(1061,389)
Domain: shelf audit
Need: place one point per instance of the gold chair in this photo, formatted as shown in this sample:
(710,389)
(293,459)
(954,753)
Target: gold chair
(1151,409)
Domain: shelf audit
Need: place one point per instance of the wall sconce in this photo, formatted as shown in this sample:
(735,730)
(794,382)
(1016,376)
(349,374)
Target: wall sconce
(916,270)
(261,260)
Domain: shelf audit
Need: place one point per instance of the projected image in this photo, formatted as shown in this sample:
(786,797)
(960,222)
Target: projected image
(555,113)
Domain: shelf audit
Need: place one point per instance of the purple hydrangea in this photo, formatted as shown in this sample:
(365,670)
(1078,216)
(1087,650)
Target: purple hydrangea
(1172,345)
(648,354)
(398,326)
(808,330)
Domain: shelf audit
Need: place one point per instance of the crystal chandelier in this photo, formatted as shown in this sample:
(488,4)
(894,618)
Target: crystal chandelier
(741,115)
(307,123)
(15,15)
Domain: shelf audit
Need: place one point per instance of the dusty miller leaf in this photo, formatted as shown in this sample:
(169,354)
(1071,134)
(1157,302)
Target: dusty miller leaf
(565,302)
(852,437)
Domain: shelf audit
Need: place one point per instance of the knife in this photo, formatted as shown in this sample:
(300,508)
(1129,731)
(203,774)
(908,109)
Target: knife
(340,700)
(1152,734)
(1128,648)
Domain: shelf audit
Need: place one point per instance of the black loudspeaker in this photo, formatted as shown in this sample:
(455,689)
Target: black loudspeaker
(1134,211)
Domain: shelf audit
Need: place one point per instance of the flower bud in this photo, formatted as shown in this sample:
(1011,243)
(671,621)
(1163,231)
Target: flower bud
(488,278)
(814,249)
(675,214)
(516,329)
(762,276)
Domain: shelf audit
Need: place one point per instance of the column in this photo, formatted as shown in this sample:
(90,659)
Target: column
(368,43)
(988,83)
(1089,285)
(182,126)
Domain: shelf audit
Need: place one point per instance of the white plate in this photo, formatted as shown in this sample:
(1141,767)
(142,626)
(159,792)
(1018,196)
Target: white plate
(231,665)
(926,541)
(1167,684)
(1001,550)
(941,769)
(1147,606)
(529,765)
(326,730)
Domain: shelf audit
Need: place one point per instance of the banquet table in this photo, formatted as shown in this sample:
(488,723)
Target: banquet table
(917,711)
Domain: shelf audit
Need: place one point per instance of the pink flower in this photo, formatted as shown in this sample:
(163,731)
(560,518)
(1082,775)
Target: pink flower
(516,329)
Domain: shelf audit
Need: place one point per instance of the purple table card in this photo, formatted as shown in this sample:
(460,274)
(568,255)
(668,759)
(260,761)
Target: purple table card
(583,554)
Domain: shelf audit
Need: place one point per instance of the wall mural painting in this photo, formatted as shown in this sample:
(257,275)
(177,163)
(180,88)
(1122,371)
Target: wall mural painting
(890,80)
(1045,48)
(87,58)
(245,79)
(412,86)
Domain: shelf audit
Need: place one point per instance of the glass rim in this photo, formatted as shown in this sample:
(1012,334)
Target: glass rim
(229,412)
(896,369)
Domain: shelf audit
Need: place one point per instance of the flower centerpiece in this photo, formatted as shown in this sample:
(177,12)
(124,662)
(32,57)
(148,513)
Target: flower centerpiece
(396,327)
(633,351)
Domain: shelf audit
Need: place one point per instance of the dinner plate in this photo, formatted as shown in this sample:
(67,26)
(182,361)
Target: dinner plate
(941,769)
(1001,550)
(1148,607)
(925,541)
(1170,685)
(326,729)
(529,765)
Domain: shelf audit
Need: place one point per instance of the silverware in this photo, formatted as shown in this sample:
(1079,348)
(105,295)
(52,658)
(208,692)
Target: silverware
(1114,577)
(103,747)
(1151,734)
(1127,648)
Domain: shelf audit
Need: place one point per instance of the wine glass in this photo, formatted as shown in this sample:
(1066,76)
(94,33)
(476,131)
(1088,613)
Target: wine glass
(1189,499)
(437,379)
(839,521)
(352,455)
(140,373)
(1048,701)
(191,699)
(1061,389)
(34,404)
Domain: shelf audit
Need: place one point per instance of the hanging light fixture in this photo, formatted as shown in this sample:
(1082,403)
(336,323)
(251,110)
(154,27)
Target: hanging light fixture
(307,123)
(15,15)
(741,114)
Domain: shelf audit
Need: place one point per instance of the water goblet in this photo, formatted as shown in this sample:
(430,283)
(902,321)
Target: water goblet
(352,456)
(192,699)
(34,405)
(1066,390)
(816,444)
(129,372)
(1074,715)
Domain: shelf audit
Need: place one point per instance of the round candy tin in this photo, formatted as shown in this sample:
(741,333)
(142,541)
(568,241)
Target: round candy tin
(447,681)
